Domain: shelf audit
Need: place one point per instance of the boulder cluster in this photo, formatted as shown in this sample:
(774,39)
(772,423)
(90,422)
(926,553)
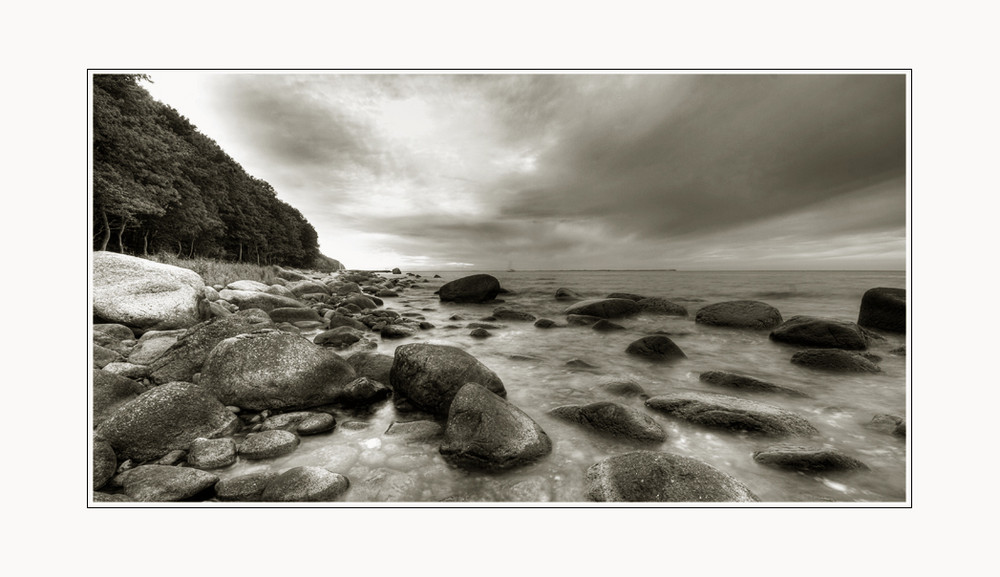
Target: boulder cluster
(190,378)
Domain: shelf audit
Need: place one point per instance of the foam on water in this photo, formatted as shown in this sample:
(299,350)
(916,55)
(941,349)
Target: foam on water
(532,364)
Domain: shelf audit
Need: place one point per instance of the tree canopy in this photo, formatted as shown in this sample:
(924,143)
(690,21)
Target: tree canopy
(161,185)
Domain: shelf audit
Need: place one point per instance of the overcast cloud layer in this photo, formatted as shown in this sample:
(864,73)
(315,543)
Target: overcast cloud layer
(573,171)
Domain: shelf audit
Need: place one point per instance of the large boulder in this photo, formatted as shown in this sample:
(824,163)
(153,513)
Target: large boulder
(305,484)
(294,315)
(484,431)
(145,294)
(152,345)
(271,369)
(807,459)
(739,314)
(375,366)
(165,418)
(651,476)
(820,333)
(161,483)
(184,358)
(477,288)
(656,348)
(613,419)
(604,308)
(744,383)
(244,488)
(884,309)
(431,375)
(731,414)
(834,360)
(257,300)
(565,294)
(105,463)
(302,287)
(111,391)
(247,285)
(656,305)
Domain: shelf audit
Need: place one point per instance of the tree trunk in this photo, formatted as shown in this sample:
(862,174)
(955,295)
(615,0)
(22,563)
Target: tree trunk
(121,231)
(191,252)
(145,244)
(240,259)
(107,230)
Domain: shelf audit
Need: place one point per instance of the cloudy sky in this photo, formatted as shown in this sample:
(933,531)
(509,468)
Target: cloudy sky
(573,171)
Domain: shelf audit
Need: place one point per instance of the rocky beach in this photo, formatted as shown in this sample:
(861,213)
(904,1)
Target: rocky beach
(359,386)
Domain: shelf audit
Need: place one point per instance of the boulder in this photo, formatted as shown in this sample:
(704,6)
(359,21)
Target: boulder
(565,294)
(604,308)
(187,356)
(480,333)
(613,419)
(362,302)
(375,366)
(629,296)
(477,288)
(656,348)
(545,323)
(128,370)
(624,388)
(148,295)
(305,484)
(152,345)
(743,383)
(280,290)
(820,333)
(651,476)
(162,483)
(884,309)
(247,285)
(731,414)
(397,331)
(656,305)
(165,418)
(105,463)
(582,320)
(484,431)
(807,459)
(430,375)
(834,360)
(111,391)
(421,430)
(335,320)
(396,271)
(212,453)
(339,338)
(508,314)
(244,488)
(268,444)
(104,356)
(274,370)
(303,287)
(266,302)
(294,315)
(739,314)
(604,325)
(362,391)
(106,333)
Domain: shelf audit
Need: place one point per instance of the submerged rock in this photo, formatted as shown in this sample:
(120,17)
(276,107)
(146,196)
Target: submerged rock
(486,432)
(477,288)
(604,308)
(731,413)
(884,309)
(660,306)
(545,323)
(656,348)
(565,294)
(834,360)
(739,314)
(431,375)
(613,419)
(734,381)
(808,459)
(509,314)
(820,333)
(650,476)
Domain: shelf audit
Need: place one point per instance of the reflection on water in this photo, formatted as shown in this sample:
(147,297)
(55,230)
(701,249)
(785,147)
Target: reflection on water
(532,364)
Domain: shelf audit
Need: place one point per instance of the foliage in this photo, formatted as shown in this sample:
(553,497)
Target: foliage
(216,272)
(160,185)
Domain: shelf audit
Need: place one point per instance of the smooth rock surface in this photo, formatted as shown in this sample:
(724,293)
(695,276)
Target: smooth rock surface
(649,476)
(613,419)
(884,309)
(731,413)
(431,375)
(161,483)
(305,484)
(149,295)
(820,333)
(739,314)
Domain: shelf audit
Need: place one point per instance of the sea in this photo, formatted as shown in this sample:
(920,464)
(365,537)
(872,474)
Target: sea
(534,365)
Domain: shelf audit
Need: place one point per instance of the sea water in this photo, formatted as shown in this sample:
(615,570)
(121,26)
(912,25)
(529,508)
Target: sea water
(532,363)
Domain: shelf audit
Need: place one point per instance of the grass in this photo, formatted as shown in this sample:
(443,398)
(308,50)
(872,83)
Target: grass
(216,272)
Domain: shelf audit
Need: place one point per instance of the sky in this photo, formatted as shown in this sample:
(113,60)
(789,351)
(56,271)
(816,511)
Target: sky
(573,171)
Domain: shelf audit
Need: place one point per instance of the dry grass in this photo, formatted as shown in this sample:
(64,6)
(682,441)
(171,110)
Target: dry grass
(216,272)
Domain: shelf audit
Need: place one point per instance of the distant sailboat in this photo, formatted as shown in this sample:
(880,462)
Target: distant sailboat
(509,267)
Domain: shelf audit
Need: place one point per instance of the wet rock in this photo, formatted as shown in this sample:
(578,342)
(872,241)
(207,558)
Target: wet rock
(315,424)
(305,484)
(110,392)
(656,305)
(508,314)
(739,314)
(477,288)
(212,453)
(884,309)
(650,476)
(656,348)
(172,458)
(731,414)
(626,388)
(484,431)
(605,326)
(266,302)
(274,370)
(582,320)
(396,271)
(362,391)
(430,375)
(604,308)
(338,338)
(807,459)
(744,383)
(165,418)
(834,360)
(362,302)
(415,430)
(820,333)
(307,286)
(244,488)
(187,356)
(294,315)
(105,463)
(338,320)
(375,366)
(580,364)
(480,333)
(901,351)
(565,294)
(149,295)
(397,331)
(268,444)
(161,483)
(387,486)
(613,419)
(629,296)
(483,326)
(545,323)
(888,424)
